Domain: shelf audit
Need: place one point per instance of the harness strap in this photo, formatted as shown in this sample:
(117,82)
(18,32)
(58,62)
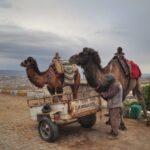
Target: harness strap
(127,87)
(97,87)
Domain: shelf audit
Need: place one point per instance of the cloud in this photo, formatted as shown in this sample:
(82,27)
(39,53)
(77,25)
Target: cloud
(5,4)
(29,28)
(17,43)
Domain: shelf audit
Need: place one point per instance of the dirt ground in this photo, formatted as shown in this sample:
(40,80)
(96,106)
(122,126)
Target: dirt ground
(18,131)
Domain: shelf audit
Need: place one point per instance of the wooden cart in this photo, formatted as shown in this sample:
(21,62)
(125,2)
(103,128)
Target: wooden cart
(52,111)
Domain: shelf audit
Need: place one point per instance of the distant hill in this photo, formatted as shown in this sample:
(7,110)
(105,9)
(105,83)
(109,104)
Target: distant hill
(12,72)
(22,73)
(146,76)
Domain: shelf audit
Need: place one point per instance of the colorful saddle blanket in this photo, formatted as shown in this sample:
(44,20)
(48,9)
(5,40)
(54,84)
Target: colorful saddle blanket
(69,72)
(58,67)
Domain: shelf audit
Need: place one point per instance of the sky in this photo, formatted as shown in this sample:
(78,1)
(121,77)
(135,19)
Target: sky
(40,28)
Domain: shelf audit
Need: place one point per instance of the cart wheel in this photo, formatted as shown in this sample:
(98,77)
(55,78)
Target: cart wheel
(48,130)
(87,121)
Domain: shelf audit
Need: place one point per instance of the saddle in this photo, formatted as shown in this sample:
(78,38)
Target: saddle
(58,67)
(124,65)
(64,69)
(129,68)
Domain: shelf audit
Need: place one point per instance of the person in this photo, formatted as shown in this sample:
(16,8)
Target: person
(57,65)
(113,95)
(56,57)
(119,55)
(119,52)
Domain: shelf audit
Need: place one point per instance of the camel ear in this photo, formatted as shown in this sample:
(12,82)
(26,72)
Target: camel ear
(30,59)
(85,50)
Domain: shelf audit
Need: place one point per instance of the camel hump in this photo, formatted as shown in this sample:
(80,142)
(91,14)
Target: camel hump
(123,64)
(129,68)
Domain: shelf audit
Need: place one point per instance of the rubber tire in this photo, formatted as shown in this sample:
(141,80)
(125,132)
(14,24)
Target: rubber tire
(87,121)
(53,127)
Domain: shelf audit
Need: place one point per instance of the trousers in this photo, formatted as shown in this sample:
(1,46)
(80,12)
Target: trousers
(115,118)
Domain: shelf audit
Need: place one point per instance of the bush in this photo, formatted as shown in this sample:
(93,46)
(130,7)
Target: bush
(146,90)
(129,104)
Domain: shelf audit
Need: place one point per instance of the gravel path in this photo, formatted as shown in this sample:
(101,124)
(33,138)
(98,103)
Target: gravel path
(19,132)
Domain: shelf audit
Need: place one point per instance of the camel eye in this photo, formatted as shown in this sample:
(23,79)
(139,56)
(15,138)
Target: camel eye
(29,60)
(80,54)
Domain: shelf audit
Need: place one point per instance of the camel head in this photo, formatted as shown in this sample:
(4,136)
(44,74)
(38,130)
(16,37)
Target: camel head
(86,56)
(29,62)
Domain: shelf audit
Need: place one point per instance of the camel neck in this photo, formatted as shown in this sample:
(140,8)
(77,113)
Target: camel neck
(92,71)
(34,77)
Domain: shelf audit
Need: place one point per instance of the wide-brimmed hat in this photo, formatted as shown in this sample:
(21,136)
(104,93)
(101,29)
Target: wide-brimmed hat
(119,51)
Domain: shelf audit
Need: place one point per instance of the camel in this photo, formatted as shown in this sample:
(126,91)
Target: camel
(49,77)
(90,62)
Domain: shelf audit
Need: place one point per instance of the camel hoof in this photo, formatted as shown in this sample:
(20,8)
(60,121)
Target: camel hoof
(107,115)
(123,127)
(148,123)
(107,122)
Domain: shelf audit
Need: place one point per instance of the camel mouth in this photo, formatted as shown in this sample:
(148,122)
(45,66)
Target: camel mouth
(73,59)
(22,64)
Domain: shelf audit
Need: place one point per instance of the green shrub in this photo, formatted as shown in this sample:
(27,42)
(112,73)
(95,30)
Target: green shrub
(146,91)
(131,103)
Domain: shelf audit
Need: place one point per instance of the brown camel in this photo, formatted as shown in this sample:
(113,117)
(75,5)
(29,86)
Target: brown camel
(90,61)
(54,83)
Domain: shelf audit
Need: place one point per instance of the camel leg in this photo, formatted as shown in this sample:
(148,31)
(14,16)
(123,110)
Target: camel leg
(108,121)
(51,90)
(59,90)
(76,85)
(74,91)
(140,97)
(122,124)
